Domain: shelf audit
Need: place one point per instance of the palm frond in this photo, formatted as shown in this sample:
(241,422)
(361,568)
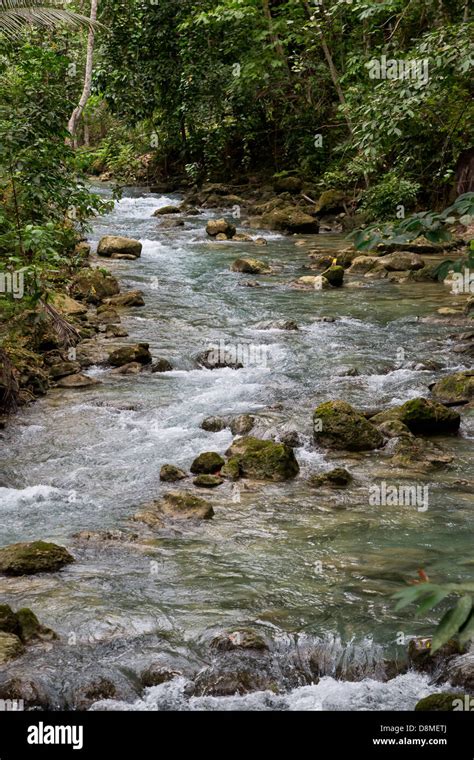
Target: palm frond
(15,15)
(9,387)
(67,333)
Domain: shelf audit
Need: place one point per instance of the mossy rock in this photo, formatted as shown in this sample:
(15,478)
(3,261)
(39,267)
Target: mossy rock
(35,557)
(30,627)
(164,210)
(250,266)
(10,647)
(9,622)
(337,478)
(332,200)
(290,219)
(334,275)
(231,469)
(94,285)
(242,424)
(214,424)
(178,505)
(161,365)
(207,463)
(454,389)
(393,429)
(111,245)
(288,184)
(128,354)
(244,638)
(423,417)
(216,227)
(338,425)
(170,474)
(208,481)
(443,702)
(419,453)
(264,460)
(185,506)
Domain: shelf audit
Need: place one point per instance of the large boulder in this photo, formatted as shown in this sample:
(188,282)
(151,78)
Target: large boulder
(324,259)
(289,184)
(401,262)
(209,462)
(454,389)
(250,266)
(331,201)
(138,352)
(125,300)
(68,306)
(422,417)
(217,358)
(170,473)
(35,557)
(262,459)
(290,219)
(338,425)
(112,245)
(94,285)
(363,264)
(216,227)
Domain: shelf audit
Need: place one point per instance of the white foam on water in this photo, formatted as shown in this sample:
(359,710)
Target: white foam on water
(401,693)
(16,497)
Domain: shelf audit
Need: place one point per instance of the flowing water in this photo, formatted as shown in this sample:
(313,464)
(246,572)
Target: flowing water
(308,568)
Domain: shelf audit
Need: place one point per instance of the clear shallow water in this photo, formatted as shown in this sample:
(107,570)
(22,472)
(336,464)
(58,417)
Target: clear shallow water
(86,460)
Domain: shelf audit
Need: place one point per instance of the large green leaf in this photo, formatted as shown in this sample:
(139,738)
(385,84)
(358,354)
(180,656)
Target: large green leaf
(451,622)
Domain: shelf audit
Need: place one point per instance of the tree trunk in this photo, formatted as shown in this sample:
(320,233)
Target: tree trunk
(330,62)
(86,91)
(273,36)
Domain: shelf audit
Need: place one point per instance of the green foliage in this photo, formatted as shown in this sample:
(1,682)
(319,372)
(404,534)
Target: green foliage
(458,621)
(381,200)
(43,203)
(429,224)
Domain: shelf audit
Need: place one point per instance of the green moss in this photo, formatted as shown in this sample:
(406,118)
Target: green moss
(337,425)
(207,463)
(31,628)
(428,417)
(334,275)
(35,557)
(264,459)
(443,702)
(207,481)
(455,389)
(9,622)
(181,504)
(231,469)
(170,473)
(336,478)
(10,647)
